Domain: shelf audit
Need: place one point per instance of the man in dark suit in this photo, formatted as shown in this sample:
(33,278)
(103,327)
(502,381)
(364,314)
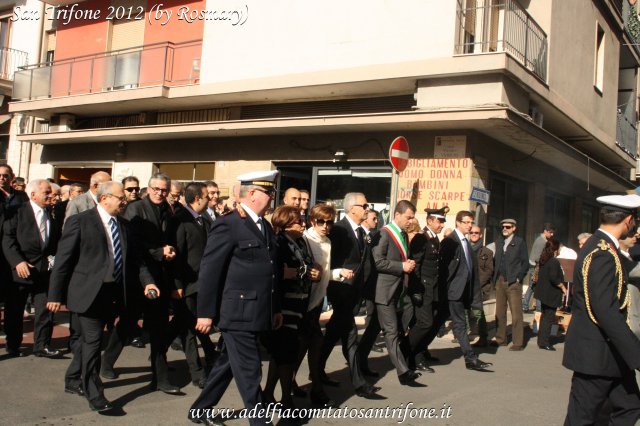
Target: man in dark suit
(149,221)
(238,292)
(391,256)
(188,234)
(87,200)
(600,347)
(210,214)
(95,264)
(29,244)
(10,200)
(458,270)
(351,254)
(511,266)
(423,288)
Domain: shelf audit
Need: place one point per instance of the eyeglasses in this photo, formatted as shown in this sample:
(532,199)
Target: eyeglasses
(474,233)
(324,222)
(5,175)
(507,226)
(467,222)
(214,192)
(159,190)
(364,206)
(121,198)
(269,192)
(133,189)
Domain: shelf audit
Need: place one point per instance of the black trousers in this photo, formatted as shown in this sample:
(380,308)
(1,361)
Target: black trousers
(589,392)
(342,326)
(371,331)
(459,325)
(239,360)
(546,321)
(14,323)
(120,336)
(86,350)
(419,335)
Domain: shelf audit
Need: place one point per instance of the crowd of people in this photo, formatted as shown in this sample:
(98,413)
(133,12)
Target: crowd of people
(176,258)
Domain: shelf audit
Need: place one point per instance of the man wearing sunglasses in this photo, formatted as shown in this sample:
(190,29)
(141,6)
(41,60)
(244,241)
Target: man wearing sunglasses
(511,266)
(131,186)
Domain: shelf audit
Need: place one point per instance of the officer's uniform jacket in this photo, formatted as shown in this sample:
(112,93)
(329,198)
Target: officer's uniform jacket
(237,281)
(608,348)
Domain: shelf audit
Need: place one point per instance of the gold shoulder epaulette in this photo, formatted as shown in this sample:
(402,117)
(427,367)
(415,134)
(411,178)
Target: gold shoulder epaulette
(603,246)
(241,212)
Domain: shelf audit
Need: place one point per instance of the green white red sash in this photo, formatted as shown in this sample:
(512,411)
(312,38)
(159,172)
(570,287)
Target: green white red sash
(398,239)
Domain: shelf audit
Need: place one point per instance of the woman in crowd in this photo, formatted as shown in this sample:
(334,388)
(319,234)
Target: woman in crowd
(549,290)
(297,272)
(322,217)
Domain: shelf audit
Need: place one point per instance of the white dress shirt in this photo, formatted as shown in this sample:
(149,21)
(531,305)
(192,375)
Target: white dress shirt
(105,218)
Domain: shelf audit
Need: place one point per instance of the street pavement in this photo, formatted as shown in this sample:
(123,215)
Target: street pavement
(524,388)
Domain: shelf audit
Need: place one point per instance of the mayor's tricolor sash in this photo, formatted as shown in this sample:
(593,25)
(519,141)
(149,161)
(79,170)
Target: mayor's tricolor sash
(398,239)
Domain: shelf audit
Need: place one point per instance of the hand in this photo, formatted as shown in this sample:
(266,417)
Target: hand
(177,293)
(203,325)
(149,287)
(22,269)
(277,321)
(409,265)
(53,306)
(346,273)
(314,273)
(168,253)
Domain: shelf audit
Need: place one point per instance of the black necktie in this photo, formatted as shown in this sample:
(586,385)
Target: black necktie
(263,228)
(360,233)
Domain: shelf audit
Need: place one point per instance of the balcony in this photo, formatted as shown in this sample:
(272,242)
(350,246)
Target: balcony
(627,134)
(161,64)
(486,26)
(10,61)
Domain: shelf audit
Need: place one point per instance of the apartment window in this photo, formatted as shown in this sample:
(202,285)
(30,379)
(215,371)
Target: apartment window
(599,63)
(5,26)
(187,171)
(557,211)
(50,46)
(508,199)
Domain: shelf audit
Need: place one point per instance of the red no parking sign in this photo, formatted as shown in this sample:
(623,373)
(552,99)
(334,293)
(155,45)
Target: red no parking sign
(399,153)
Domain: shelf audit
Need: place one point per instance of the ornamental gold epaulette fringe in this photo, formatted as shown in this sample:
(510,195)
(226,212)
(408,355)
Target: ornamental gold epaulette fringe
(603,246)
(241,212)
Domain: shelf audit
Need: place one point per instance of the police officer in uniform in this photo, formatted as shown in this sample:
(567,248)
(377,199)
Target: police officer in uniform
(237,293)
(423,286)
(600,347)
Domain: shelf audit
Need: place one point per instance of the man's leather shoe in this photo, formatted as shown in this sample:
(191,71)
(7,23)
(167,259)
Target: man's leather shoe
(168,389)
(137,342)
(495,344)
(547,348)
(48,353)
(327,381)
(108,374)
(369,392)
(421,366)
(408,377)
(321,401)
(516,348)
(297,391)
(199,382)
(206,421)
(15,353)
(477,365)
(74,389)
(100,404)
(481,343)
(370,373)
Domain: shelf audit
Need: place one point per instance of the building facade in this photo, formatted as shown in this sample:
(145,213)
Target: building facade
(535,102)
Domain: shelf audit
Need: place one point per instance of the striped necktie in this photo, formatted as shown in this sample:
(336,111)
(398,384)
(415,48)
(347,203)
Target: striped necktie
(117,251)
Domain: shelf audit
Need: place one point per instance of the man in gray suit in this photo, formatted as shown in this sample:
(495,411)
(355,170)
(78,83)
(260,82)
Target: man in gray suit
(458,271)
(87,200)
(391,257)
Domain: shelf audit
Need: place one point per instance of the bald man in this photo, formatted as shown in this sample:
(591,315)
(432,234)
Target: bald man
(291,197)
(88,200)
